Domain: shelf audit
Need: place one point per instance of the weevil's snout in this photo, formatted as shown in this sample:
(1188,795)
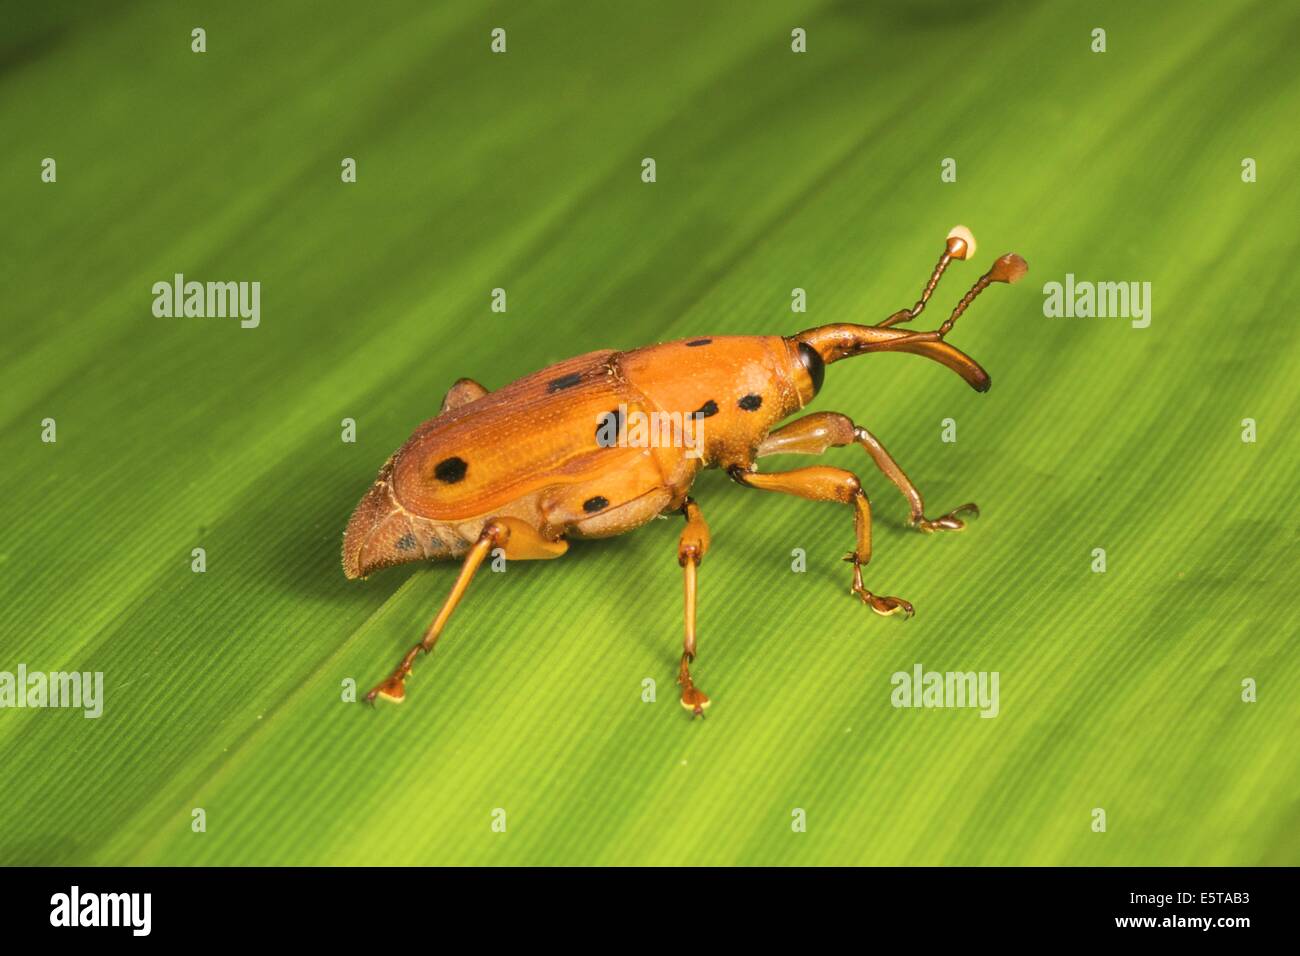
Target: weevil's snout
(379,534)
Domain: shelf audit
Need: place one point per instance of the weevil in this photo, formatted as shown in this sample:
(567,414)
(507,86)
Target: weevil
(529,466)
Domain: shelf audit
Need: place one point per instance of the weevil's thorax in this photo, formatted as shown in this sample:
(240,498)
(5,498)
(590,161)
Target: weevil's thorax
(729,392)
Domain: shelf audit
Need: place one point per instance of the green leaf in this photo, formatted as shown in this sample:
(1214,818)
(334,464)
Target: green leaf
(1119,690)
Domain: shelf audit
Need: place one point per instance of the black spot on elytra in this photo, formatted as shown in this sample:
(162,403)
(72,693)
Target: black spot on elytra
(564,381)
(694,343)
(592,505)
(406,542)
(751,402)
(450,470)
(708,409)
(609,425)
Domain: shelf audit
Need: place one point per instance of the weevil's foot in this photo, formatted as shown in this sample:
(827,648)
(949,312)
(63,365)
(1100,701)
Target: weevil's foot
(393,689)
(884,604)
(950,521)
(695,700)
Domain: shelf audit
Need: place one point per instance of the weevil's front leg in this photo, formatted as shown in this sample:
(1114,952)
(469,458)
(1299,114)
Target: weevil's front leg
(691,548)
(520,542)
(890,468)
(815,433)
(464,391)
(822,483)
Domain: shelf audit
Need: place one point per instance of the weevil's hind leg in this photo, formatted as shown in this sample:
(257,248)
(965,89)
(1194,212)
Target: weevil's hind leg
(691,548)
(519,541)
(822,483)
(463,392)
(813,434)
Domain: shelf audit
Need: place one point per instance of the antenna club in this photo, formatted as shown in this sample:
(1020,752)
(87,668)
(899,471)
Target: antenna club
(961,242)
(1009,268)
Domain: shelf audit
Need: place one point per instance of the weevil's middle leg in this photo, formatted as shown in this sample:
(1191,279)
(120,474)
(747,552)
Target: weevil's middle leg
(823,483)
(520,542)
(691,547)
(815,433)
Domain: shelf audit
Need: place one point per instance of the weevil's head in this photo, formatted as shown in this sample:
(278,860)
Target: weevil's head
(826,344)
(809,368)
(814,349)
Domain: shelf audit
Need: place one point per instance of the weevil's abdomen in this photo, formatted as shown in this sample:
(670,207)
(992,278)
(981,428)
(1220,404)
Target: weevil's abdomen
(536,449)
(512,443)
(382,533)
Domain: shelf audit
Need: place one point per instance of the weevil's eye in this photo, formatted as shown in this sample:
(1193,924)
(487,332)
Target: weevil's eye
(812,363)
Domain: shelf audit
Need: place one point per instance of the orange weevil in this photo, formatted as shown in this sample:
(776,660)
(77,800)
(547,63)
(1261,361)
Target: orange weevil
(546,458)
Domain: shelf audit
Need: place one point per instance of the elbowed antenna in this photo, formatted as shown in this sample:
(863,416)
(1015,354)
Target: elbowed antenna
(844,340)
(960,245)
(1009,269)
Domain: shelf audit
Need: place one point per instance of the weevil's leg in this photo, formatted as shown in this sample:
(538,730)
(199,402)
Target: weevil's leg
(813,434)
(691,548)
(822,483)
(519,541)
(891,470)
(463,392)
(959,245)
